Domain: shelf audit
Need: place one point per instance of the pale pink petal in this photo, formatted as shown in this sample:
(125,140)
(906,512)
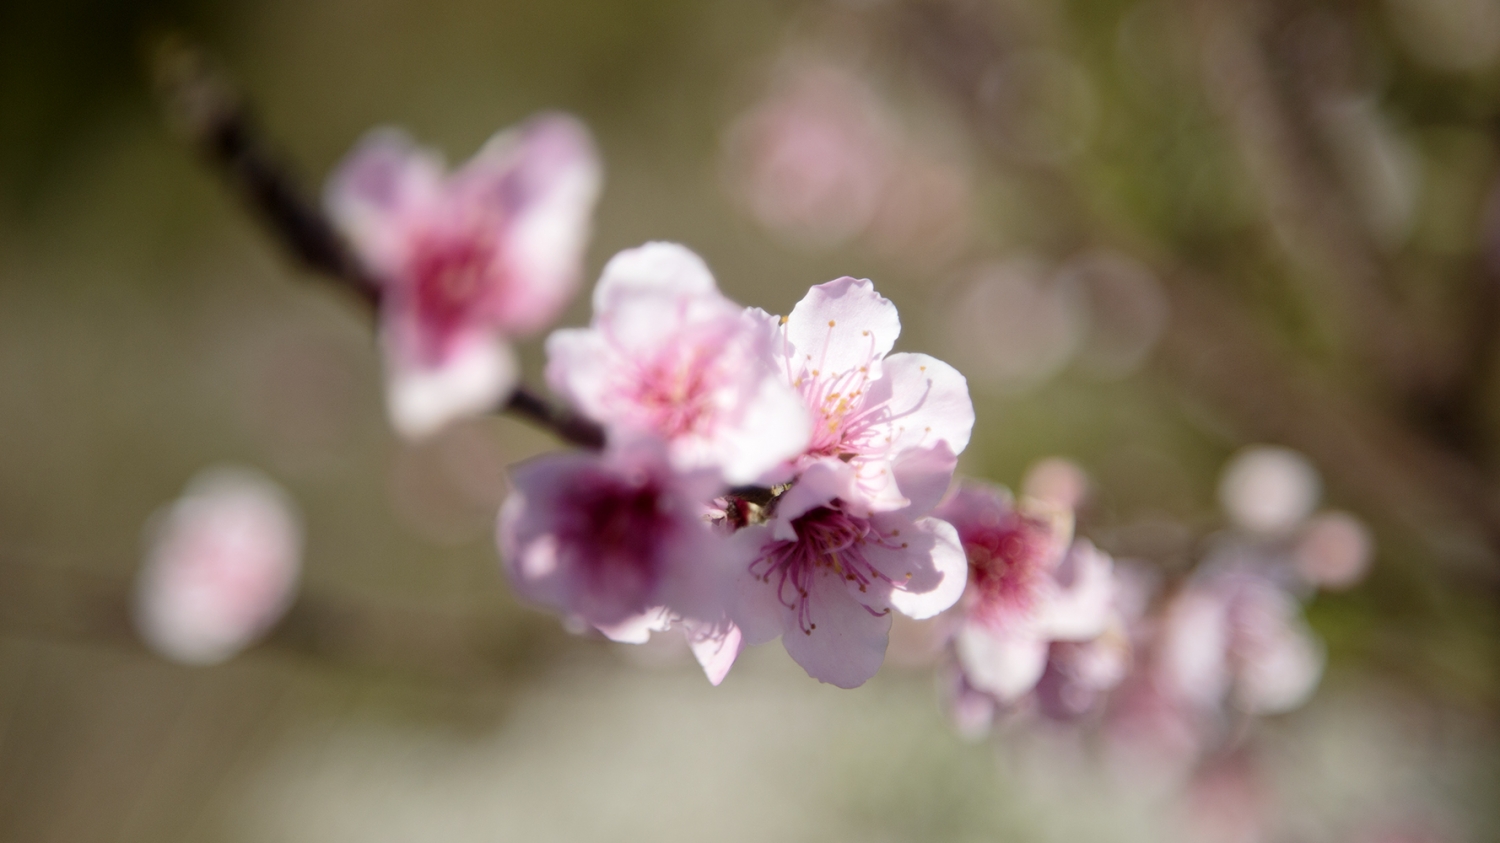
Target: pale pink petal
(549,198)
(1283,674)
(923,476)
(930,571)
(637,629)
(1083,604)
(663,268)
(775,428)
(377,189)
(1005,665)
(927,401)
(1193,661)
(848,641)
(715,646)
(475,378)
(753,604)
(819,484)
(842,325)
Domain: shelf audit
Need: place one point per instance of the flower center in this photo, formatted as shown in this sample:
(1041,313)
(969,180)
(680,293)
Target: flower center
(676,390)
(454,280)
(829,543)
(619,530)
(1006,567)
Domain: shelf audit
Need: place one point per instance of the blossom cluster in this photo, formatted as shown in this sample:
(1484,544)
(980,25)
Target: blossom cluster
(759,477)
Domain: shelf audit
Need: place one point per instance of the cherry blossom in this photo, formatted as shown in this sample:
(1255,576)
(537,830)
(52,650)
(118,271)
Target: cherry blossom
(468,260)
(668,356)
(1029,585)
(868,406)
(614,540)
(1237,636)
(221,567)
(826,577)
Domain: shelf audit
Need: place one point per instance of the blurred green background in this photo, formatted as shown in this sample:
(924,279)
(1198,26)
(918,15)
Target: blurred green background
(149,328)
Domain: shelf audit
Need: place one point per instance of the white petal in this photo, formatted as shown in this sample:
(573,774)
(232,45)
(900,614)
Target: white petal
(715,648)
(664,268)
(842,325)
(1082,609)
(936,560)
(475,378)
(1006,666)
(928,402)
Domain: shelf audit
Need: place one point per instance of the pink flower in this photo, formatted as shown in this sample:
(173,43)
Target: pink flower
(1028,586)
(1236,636)
(669,357)
(221,567)
(868,408)
(468,260)
(614,540)
(825,577)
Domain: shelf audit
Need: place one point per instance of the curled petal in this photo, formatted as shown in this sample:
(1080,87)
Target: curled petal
(715,646)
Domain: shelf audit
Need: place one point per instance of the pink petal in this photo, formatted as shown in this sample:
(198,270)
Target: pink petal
(1081,609)
(923,476)
(1005,665)
(637,629)
(849,643)
(842,325)
(928,402)
(547,179)
(664,268)
(377,190)
(715,647)
(930,572)
(473,379)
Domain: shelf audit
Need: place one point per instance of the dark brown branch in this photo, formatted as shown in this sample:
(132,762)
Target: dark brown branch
(219,124)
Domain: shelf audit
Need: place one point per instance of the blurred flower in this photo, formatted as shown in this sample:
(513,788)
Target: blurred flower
(1235,636)
(667,356)
(868,408)
(1056,482)
(1029,585)
(822,160)
(1268,489)
(221,567)
(826,578)
(466,261)
(1334,551)
(614,540)
(811,161)
(1012,327)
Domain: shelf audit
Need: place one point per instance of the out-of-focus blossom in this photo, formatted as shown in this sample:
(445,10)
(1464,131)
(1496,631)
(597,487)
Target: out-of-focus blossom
(1057,482)
(868,408)
(1227,802)
(221,567)
(811,161)
(822,160)
(1123,306)
(1029,585)
(1012,327)
(1333,551)
(614,540)
(466,260)
(826,578)
(1235,636)
(1269,489)
(668,356)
